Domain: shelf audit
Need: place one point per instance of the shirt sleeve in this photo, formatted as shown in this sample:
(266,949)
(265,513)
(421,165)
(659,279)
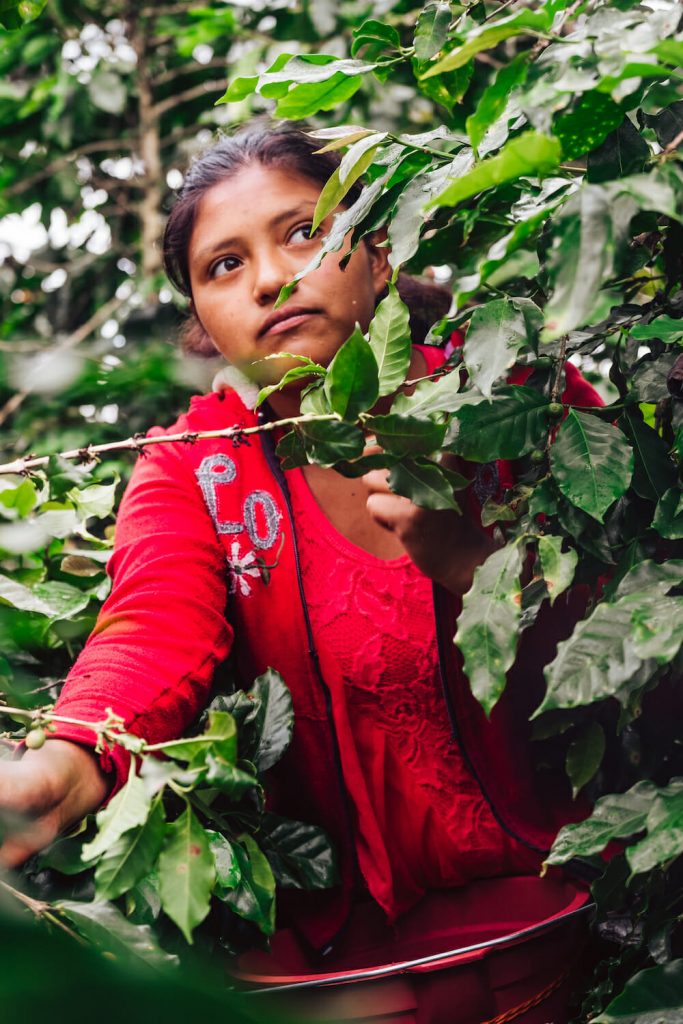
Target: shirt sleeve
(163,630)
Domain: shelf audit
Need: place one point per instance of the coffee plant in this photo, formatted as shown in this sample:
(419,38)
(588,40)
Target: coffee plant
(544,184)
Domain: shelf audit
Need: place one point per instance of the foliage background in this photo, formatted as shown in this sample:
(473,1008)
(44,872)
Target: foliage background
(559,127)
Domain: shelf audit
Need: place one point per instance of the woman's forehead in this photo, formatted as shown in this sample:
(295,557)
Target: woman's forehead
(254,195)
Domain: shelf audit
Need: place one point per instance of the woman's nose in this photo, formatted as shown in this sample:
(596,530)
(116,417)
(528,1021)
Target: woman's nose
(270,272)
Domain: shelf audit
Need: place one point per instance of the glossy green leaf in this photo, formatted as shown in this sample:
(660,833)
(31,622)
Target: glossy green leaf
(488,623)
(654,471)
(585,755)
(228,872)
(312,69)
(131,857)
(664,327)
(488,35)
(623,152)
(375,37)
(507,427)
(435,396)
(390,341)
(616,816)
(307,100)
(227,778)
(300,854)
(495,336)
(340,136)
(407,435)
(592,463)
(431,29)
(361,155)
(530,153)
(307,369)
(652,996)
(104,925)
(495,97)
(668,518)
(410,216)
(558,566)
(352,382)
(219,736)
(187,872)
(590,121)
(607,652)
(664,824)
(274,721)
(127,809)
(253,898)
(327,443)
(424,482)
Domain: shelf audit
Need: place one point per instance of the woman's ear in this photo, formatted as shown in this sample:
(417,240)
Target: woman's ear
(378,253)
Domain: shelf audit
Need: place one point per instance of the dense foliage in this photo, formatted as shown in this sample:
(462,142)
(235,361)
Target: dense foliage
(531,154)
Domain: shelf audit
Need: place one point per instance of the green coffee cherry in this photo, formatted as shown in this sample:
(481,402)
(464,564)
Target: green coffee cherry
(555,410)
(543,363)
(35,739)
(537,455)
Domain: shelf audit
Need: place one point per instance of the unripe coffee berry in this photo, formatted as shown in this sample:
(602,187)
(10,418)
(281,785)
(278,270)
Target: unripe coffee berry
(537,455)
(555,409)
(35,739)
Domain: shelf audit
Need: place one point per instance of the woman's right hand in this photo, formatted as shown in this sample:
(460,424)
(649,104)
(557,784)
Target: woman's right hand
(45,792)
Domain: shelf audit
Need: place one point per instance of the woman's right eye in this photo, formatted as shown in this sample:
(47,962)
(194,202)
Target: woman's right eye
(224,266)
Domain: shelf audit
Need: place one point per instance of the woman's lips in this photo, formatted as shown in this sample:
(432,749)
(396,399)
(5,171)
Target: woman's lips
(288,323)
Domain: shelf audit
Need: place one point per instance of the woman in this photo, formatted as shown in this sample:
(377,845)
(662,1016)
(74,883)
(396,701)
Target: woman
(391,754)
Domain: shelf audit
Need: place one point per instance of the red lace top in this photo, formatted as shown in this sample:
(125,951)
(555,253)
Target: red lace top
(421,819)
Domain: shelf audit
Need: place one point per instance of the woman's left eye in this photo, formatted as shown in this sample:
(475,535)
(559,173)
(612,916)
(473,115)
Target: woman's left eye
(303,233)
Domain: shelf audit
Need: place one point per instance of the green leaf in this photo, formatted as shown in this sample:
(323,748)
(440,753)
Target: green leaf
(407,435)
(95,500)
(352,383)
(220,736)
(253,898)
(557,566)
(431,29)
(187,873)
(616,816)
(228,872)
(340,136)
(530,153)
(495,97)
(424,482)
(300,854)
(22,498)
(664,824)
(332,442)
(131,857)
(623,152)
(410,216)
(488,35)
(584,756)
(127,809)
(668,519)
(305,100)
(654,472)
(652,996)
(377,37)
(390,341)
(106,927)
(314,68)
(507,427)
(488,623)
(496,334)
(227,778)
(592,463)
(664,327)
(274,721)
(52,599)
(308,369)
(591,119)
(430,397)
(619,641)
(361,155)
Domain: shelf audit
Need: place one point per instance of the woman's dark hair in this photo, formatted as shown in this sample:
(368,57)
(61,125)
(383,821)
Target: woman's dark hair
(290,148)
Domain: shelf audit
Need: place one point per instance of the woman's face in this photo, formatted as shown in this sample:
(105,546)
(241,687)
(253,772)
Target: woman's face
(250,237)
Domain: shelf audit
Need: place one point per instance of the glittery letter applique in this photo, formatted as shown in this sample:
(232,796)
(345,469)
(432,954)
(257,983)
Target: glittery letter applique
(271,514)
(217,469)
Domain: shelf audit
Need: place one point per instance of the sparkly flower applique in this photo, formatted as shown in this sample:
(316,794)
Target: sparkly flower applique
(243,567)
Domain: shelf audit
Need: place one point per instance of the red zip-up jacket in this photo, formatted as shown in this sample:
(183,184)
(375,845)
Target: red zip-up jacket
(191,511)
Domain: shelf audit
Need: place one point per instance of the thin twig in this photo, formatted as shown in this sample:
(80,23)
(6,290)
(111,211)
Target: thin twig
(98,146)
(41,909)
(674,144)
(190,94)
(90,452)
(559,369)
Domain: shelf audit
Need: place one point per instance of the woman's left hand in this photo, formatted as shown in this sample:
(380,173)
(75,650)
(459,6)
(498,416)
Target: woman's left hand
(446,546)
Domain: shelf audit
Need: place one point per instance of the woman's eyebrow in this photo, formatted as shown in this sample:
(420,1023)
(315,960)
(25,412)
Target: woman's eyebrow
(306,207)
